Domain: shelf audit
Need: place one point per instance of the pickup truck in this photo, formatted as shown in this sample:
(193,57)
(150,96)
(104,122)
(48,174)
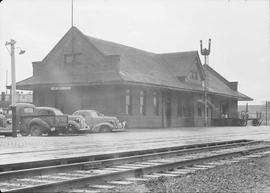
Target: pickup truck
(37,121)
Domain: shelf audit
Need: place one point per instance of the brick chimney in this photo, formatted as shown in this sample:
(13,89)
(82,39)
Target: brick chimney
(233,86)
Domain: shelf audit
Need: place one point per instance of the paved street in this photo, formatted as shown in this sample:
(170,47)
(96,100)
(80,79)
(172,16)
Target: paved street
(22,149)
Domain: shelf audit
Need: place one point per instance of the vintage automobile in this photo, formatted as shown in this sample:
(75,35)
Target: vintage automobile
(2,119)
(37,120)
(76,123)
(97,122)
(42,120)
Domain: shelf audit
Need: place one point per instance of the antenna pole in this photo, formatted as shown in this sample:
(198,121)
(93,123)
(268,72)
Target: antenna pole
(6,80)
(71,13)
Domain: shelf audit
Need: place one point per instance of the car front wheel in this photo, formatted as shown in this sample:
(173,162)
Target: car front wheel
(104,129)
(24,130)
(35,130)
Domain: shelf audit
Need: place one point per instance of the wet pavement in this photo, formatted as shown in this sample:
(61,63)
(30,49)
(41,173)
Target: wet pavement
(24,149)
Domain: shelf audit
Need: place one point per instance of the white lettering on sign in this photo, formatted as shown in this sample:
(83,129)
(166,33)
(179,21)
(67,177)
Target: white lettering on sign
(61,88)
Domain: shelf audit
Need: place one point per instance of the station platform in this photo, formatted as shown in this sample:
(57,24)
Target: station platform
(28,149)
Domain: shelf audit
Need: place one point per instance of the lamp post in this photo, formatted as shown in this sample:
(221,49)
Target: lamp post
(13,84)
(205,52)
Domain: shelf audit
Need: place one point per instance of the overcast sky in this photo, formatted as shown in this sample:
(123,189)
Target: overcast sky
(239,30)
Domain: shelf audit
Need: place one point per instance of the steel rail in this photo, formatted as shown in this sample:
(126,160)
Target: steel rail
(90,180)
(116,161)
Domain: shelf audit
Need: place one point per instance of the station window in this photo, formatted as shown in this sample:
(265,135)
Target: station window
(71,58)
(156,103)
(200,111)
(179,108)
(142,102)
(193,75)
(128,102)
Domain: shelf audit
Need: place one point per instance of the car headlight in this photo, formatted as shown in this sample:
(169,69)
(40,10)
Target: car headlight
(78,120)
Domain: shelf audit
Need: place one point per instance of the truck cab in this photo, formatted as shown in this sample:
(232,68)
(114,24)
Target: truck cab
(39,120)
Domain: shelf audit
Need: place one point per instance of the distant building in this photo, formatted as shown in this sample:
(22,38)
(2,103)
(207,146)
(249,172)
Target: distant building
(21,97)
(144,88)
(255,111)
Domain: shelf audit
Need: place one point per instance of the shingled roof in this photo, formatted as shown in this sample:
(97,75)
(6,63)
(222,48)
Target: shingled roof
(142,67)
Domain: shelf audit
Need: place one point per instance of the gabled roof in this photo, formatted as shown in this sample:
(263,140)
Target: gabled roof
(142,67)
(146,67)
(216,83)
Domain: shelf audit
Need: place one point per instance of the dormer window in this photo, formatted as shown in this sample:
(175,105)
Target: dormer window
(194,75)
(181,78)
(72,58)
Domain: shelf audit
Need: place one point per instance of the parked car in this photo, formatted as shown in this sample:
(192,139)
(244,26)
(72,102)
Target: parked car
(2,119)
(40,120)
(76,123)
(36,120)
(97,122)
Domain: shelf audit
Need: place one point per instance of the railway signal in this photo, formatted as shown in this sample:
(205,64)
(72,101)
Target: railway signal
(205,52)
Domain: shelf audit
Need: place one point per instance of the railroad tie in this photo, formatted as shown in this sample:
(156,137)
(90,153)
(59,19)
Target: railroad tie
(127,167)
(205,166)
(103,171)
(9,185)
(166,175)
(150,163)
(157,161)
(74,174)
(137,179)
(253,156)
(178,172)
(120,182)
(34,180)
(151,176)
(215,163)
(188,169)
(83,191)
(137,165)
(116,169)
(85,171)
(102,186)
(62,177)
(197,168)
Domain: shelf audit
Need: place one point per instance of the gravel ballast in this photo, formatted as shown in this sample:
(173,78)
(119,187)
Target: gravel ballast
(252,175)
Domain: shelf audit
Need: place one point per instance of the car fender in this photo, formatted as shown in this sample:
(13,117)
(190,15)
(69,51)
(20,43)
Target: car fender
(97,126)
(37,121)
(75,124)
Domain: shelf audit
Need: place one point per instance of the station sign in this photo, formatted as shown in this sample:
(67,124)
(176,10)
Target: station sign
(61,88)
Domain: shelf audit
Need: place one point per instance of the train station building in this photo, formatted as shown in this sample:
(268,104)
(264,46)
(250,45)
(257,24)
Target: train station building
(144,88)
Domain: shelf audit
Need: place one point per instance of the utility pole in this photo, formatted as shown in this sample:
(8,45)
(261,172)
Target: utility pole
(266,112)
(13,84)
(71,13)
(6,81)
(205,52)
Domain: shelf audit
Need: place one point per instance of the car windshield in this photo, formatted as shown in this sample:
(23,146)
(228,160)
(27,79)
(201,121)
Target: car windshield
(87,113)
(57,112)
(93,113)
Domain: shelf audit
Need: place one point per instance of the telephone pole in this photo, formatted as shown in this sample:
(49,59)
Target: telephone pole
(13,84)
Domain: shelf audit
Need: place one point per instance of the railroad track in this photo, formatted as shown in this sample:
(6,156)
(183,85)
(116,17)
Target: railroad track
(129,166)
